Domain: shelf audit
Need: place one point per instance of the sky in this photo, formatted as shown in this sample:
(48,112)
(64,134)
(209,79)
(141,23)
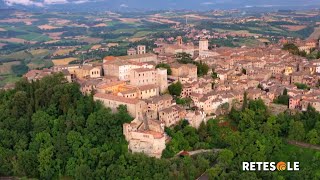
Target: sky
(163,4)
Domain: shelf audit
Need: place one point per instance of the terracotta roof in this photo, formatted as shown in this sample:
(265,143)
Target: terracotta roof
(156,99)
(116,98)
(156,135)
(109,58)
(147,87)
(110,84)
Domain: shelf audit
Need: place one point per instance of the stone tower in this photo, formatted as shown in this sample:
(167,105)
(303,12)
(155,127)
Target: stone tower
(203,44)
(162,79)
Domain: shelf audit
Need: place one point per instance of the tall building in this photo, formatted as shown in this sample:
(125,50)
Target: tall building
(162,79)
(203,44)
(141,49)
(143,76)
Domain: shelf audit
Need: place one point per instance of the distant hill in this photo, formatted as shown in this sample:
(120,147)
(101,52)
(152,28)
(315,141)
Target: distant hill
(131,5)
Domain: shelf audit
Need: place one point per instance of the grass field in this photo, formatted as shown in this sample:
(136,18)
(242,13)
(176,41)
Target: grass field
(20,55)
(142,34)
(34,37)
(39,63)
(5,68)
(60,52)
(40,52)
(8,78)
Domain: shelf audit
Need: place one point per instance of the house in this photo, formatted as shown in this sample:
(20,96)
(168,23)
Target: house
(34,75)
(143,76)
(110,87)
(195,118)
(86,71)
(188,70)
(140,58)
(148,91)
(89,86)
(172,115)
(122,68)
(135,107)
(146,137)
(156,104)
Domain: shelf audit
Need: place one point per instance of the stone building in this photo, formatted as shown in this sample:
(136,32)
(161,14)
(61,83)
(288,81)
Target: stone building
(184,70)
(145,136)
(135,107)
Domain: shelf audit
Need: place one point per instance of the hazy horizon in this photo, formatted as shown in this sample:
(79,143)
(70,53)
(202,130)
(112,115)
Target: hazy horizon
(128,5)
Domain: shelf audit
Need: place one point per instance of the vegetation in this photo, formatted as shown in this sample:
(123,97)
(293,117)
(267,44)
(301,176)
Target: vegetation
(166,66)
(255,135)
(283,99)
(292,48)
(185,58)
(175,89)
(302,86)
(184,101)
(49,130)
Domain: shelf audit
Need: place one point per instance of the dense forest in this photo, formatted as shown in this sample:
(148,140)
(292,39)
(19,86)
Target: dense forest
(253,134)
(49,130)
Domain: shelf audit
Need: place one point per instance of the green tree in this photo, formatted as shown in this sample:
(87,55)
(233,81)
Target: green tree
(184,58)
(175,89)
(166,66)
(202,68)
(313,137)
(296,131)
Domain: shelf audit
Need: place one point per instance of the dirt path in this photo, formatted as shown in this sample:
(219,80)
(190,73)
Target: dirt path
(304,145)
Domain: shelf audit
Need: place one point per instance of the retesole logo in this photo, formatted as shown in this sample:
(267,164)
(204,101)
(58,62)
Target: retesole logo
(270,166)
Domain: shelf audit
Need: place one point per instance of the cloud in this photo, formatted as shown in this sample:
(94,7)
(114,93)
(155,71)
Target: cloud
(23,2)
(80,2)
(55,1)
(124,6)
(207,3)
(39,3)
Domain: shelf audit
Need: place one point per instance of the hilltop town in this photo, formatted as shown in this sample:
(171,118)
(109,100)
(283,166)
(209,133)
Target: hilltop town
(159,94)
(142,82)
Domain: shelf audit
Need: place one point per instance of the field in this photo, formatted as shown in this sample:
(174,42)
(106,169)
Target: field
(61,52)
(315,34)
(47,27)
(129,20)
(55,35)
(13,40)
(39,52)
(5,68)
(20,55)
(2,44)
(27,21)
(64,61)
(294,27)
(100,25)
(96,47)
(34,37)
(90,40)
(7,79)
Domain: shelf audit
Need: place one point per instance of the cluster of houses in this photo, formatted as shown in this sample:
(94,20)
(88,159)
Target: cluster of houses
(134,81)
